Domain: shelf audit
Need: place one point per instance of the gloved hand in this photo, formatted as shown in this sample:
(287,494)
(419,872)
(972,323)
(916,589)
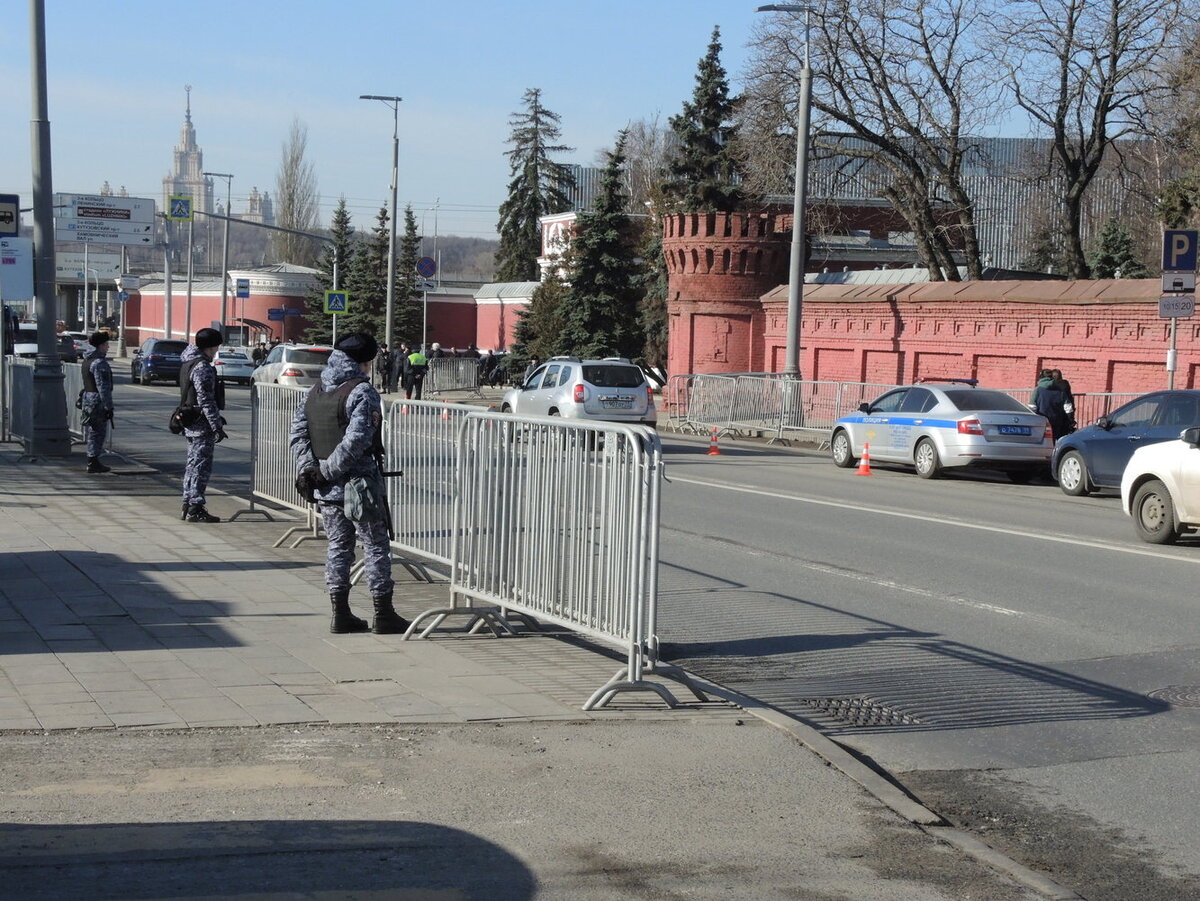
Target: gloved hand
(221,436)
(309,481)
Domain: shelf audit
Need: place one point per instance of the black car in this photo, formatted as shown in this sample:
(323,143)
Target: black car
(1095,457)
(157,358)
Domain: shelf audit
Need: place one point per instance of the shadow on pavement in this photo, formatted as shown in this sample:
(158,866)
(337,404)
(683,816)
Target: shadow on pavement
(338,859)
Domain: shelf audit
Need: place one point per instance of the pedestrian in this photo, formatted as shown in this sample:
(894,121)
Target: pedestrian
(1050,402)
(96,400)
(471,353)
(487,368)
(435,351)
(415,367)
(259,354)
(383,361)
(395,365)
(337,443)
(1068,397)
(534,363)
(202,393)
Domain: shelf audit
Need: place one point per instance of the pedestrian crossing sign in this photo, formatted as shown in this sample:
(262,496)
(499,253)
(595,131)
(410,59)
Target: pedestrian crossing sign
(180,208)
(337,302)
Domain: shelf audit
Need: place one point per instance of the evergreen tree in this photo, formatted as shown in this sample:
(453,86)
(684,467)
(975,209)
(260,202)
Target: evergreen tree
(652,315)
(601,311)
(1114,253)
(340,251)
(1045,252)
(538,187)
(367,283)
(408,314)
(539,326)
(702,177)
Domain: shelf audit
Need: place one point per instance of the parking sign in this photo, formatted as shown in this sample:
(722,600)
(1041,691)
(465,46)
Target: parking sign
(1179,250)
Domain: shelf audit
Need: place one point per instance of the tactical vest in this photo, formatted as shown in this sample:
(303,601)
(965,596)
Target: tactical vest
(328,419)
(89,378)
(187,389)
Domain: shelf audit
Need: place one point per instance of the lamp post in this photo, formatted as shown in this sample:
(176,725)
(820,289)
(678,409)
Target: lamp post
(394,103)
(796,266)
(225,252)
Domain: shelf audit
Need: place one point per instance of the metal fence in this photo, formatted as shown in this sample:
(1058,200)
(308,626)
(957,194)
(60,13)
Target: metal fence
(18,400)
(452,374)
(72,385)
(557,521)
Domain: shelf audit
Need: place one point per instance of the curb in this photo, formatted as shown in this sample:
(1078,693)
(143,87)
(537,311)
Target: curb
(891,795)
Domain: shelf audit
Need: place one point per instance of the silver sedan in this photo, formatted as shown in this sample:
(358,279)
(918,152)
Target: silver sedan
(233,366)
(944,425)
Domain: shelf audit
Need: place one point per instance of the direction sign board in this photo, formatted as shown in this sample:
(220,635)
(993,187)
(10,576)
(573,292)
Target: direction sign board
(1177,306)
(16,269)
(337,302)
(103,207)
(180,207)
(426,267)
(100,231)
(1179,250)
(275,314)
(10,215)
(129,282)
(243,287)
(72,267)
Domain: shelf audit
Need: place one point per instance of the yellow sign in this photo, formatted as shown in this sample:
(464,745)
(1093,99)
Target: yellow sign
(180,208)
(337,302)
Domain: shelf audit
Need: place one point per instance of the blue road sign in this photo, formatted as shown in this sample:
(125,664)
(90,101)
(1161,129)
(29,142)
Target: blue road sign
(243,287)
(180,207)
(426,267)
(275,314)
(291,312)
(337,302)
(122,296)
(10,215)
(1179,250)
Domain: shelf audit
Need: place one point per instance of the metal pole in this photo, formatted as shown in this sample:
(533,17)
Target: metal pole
(1171,357)
(225,249)
(168,277)
(50,435)
(188,331)
(121,324)
(394,103)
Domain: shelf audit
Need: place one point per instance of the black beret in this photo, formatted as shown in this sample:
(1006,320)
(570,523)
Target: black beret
(98,338)
(208,337)
(359,347)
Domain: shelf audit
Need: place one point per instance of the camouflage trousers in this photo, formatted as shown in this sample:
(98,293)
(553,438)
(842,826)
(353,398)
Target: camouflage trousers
(95,435)
(377,551)
(199,467)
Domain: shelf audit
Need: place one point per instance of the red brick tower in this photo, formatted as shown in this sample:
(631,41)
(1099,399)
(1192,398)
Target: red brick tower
(718,266)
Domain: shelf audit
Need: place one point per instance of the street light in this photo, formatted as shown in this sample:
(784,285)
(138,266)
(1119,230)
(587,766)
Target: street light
(394,103)
(225,252)
(796,265)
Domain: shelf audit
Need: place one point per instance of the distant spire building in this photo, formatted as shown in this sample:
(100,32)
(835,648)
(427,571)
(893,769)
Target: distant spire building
(260,208)
(185,177)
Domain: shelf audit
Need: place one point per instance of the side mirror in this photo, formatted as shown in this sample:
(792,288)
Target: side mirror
(1104,423)
(1191,436)
(864,408)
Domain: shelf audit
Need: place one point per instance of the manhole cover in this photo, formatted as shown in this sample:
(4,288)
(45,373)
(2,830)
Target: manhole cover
(861,712)
(1178,695)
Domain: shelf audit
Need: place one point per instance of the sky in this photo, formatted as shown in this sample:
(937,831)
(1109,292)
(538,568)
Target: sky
(117,70)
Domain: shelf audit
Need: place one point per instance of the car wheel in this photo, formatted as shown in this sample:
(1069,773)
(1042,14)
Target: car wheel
(505,408)
(1154,514)
(841,450)
(146,380)
(133,376)
(1073,474)
(926,459)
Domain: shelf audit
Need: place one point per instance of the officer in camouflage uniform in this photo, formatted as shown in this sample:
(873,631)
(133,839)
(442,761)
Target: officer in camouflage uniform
(97,402)
(200,388)
(336,438)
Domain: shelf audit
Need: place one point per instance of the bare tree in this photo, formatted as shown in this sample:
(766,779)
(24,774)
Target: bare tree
(1086,73)
(908,83)
(296,201)
(646,150)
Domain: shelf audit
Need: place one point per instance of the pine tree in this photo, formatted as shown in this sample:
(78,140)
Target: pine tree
(702,177)
(601,310)
(652,315)
(1114,253)
(1045,253)
(342,251)
(538,187)
(367,283)
(408,313)
(539,326)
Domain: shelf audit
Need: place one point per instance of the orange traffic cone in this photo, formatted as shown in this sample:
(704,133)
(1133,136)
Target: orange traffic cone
(404,408)
(864,465)
(713,450)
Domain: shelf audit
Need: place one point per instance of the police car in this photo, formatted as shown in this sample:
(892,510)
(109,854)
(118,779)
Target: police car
(951,423)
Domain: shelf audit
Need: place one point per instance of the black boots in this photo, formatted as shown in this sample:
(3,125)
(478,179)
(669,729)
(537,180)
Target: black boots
(387,620)
(199,513)
(343,620)
(186,508)
(95,466)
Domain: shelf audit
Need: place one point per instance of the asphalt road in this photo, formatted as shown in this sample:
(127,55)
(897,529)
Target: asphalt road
(997,648)
(994,646)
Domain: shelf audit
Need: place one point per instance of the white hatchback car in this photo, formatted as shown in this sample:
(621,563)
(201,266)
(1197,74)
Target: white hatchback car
(297,365)
(1161,488)
(608,390)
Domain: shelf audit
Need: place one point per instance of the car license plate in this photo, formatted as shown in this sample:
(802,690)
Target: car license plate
(1013,429)
(618,403)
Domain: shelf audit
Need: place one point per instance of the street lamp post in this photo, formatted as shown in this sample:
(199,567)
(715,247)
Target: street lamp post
(796,264)
(225,252)
(394,103)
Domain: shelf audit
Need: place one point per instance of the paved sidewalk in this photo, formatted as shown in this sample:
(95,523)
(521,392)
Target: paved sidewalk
(114,612)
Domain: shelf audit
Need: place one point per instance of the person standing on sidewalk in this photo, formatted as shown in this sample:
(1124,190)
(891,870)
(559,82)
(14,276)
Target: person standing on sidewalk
(97,402)
(336,440)
(201,390)
(415,367)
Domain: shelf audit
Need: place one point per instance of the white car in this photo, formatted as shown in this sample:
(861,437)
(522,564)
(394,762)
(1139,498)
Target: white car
(233,366)
(297,365)
(608,390)
(1161,488)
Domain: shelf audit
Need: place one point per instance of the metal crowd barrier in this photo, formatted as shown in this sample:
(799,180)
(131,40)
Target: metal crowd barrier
(72,384)
(557,521)
(18,399)
(452,374)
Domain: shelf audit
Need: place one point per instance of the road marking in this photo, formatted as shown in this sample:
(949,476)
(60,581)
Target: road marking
(941,520)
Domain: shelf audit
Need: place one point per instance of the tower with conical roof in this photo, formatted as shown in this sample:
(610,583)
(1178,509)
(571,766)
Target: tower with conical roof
(185,176)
